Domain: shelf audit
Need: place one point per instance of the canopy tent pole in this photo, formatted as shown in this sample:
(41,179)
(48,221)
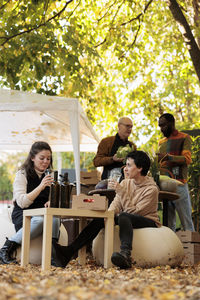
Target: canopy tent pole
(59,162)
(74,118)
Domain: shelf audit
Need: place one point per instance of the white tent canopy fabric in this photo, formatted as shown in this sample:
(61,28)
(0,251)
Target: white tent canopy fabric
(29,117)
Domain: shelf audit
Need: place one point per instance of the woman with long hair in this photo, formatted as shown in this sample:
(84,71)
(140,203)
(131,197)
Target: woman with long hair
(31,189)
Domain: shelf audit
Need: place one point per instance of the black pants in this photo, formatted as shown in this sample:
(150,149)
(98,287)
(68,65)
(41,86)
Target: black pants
(126,224)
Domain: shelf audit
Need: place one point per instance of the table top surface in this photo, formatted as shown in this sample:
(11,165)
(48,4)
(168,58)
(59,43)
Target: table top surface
(169,196)
(68,212)
(162,194)
(102,191)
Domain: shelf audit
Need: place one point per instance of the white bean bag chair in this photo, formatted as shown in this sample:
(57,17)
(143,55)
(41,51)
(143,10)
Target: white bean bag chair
(7,229)
(151,247)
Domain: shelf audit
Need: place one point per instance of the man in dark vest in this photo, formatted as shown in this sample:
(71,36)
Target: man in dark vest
(106,152)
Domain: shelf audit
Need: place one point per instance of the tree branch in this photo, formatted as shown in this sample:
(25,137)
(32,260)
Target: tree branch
(187,34)
(35,28)
(109,7)
(74,10)
(138,16)
(133,43)
(4,4)
(114,17)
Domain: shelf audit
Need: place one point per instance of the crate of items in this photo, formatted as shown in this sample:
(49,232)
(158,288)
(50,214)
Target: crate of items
(191,245)
(92,177)
(94,202)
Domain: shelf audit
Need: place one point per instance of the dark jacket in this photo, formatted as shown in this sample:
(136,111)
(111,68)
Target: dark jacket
(106,149)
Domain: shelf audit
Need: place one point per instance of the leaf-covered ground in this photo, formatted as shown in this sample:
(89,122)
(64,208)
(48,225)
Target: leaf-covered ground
(94,282)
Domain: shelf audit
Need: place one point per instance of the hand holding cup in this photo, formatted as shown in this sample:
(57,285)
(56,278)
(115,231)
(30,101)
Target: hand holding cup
(113,180)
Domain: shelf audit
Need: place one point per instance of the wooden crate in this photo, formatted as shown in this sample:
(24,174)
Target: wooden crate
(191,246)
(188,236)
(190,259)
(92,177)
(91,202)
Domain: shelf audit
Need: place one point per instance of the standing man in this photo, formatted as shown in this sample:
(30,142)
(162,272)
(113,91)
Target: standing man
(106,152)
(175,155)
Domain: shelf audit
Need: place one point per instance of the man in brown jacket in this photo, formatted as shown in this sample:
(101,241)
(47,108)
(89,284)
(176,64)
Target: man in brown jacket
(106,152)
(135,206)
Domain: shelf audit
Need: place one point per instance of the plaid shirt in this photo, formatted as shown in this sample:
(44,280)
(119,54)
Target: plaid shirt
(178,145)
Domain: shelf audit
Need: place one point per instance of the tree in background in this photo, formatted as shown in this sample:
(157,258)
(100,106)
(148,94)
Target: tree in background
(119,58)
(86,160)
(194,181)
(5,184)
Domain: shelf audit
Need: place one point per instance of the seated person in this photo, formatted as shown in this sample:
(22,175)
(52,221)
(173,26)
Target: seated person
(135,206)
(30,191)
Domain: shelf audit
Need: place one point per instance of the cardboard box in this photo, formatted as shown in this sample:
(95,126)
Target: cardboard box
(188,236)
(92,177)
(94,202)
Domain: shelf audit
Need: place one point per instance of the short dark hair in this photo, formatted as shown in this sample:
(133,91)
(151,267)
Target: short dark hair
(141,159)
(168,117)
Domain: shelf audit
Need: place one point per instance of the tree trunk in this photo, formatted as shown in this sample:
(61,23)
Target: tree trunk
(196,6)
(187,34)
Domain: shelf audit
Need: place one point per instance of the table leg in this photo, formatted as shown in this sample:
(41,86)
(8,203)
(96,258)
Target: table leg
(165,212)
(25,241)
(108,241)
(82,251)
(46,242)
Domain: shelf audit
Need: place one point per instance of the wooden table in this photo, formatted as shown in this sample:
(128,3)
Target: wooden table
(48,214)
(165,197)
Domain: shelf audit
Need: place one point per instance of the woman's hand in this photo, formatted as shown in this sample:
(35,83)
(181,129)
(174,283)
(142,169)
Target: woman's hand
(46,181)
(47,204)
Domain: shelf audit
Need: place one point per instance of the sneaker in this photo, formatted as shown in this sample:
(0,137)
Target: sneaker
(121,259)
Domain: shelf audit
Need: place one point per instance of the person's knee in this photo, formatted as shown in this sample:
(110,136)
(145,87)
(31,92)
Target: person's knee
(123,215)
(37,221)
(56,222)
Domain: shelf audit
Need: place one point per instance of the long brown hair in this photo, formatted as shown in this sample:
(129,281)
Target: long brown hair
(37,147)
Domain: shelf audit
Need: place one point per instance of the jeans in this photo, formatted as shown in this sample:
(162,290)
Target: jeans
(183,207)
(37,228)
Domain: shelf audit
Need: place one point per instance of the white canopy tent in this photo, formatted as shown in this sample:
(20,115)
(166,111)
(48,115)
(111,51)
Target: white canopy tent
(29,117)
